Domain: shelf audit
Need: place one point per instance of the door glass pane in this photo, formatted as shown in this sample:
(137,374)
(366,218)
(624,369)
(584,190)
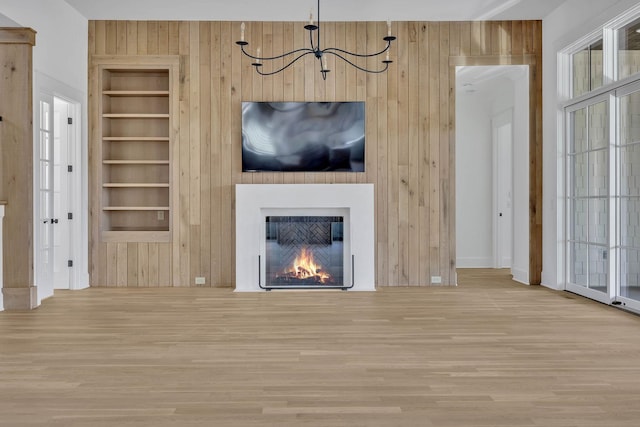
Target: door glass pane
(598,221)
(588,69)
(630,117)
(629,49)
(630,222)
(579,265)
(598,268)
(599,172)
(630,170)
(630,274)
(599,125)
(579,175)
(578,228)
(578,142)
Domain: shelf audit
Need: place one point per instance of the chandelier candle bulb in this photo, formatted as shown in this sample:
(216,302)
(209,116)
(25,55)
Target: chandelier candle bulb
(242,32)
(258,55)
(311,17)
(388,51)
(324,62)
(388,30)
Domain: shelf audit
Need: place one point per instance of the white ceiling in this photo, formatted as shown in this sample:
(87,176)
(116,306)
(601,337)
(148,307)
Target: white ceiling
(331,10)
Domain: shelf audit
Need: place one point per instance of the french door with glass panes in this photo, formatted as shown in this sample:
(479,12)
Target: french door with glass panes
(588,202)
(603,197)
(627,289)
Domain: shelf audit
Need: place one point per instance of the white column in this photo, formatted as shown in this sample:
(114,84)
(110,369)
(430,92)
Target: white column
(1,258)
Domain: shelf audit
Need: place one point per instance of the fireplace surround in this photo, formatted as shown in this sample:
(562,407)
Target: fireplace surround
(344,211)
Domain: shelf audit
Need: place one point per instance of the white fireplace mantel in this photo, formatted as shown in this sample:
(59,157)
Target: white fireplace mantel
(253,201)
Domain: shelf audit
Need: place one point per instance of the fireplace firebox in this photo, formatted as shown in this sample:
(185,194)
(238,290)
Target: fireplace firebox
(304,252)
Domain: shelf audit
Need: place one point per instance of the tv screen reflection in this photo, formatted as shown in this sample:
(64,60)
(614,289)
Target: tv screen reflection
(303,136)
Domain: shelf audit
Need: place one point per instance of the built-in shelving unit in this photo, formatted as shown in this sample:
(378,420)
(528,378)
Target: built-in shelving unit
(136,118)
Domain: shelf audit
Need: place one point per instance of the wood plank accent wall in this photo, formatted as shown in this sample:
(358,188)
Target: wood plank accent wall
(410,120)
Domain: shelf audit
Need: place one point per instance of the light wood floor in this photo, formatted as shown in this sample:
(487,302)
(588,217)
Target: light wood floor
(487,353)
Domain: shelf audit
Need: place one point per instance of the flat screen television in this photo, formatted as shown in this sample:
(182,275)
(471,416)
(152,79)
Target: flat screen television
(303,136)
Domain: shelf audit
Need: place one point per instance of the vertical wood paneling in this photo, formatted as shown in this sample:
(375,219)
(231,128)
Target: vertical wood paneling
(164,264)
(163,38)
(143,264)
(143,33)
(132,264)
(424,190)
(152,38)
(403,144)
(434,149)
(132,38)
(413,139)
(410,119)
(154,266)
(194,184)
(205,151)
(183,162)
(121,266)
(444,189)
(215,159)
(231,133)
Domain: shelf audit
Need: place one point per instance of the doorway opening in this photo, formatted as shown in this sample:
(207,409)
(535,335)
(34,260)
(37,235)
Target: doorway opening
(492,168)
(57,187)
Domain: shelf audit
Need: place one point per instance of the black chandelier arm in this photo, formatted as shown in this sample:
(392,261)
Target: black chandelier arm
(309,52)
(359,55)
(306,51)
(386,63)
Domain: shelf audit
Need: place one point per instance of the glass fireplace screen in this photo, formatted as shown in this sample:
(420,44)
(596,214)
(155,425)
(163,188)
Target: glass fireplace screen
(304,251)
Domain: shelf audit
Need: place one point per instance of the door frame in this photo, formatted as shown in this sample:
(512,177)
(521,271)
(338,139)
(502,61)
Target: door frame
(79,238)
(535,195)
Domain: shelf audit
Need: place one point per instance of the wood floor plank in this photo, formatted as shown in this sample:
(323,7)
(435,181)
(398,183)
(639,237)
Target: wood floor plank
(489,352)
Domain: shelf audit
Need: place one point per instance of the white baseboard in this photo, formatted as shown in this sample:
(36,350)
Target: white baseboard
(520,276)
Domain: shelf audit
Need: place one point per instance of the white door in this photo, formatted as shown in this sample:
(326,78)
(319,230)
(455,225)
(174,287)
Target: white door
(503,189)
(53,195)
(45,220)
(62,133)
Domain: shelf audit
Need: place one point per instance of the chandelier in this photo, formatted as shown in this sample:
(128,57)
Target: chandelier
(317,51)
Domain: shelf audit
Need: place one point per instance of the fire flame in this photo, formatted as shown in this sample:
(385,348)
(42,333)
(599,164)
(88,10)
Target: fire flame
(305,267)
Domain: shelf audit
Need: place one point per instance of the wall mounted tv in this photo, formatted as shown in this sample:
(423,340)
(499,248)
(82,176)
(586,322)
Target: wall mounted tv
(303,136)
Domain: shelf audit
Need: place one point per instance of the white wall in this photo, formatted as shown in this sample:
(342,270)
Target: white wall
(474,181)
(567,24)
(520,263)
(6,22)
(61,39)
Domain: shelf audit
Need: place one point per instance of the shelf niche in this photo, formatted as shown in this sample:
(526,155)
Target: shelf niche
(134,148)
